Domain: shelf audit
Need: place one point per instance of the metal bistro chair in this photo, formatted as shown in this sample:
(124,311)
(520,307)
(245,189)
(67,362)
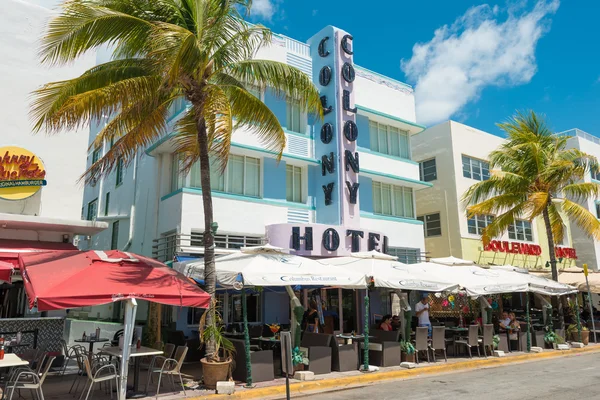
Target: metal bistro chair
(104,373)
(170,367)
(488,339)
(422,342)
(471,341)
(69,352)
(438,341)
(31,380)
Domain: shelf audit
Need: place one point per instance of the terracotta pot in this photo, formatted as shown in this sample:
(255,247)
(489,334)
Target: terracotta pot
(585,337)
(214,372)
(407,357)
(299,367)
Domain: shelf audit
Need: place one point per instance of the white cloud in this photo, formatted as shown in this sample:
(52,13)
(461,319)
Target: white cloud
(476,51)
(263,9)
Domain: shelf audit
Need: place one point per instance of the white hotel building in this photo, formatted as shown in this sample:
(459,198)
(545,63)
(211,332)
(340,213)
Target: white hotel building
(155,211)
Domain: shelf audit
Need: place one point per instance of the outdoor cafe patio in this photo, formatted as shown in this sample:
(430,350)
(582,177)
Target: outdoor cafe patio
(466,305)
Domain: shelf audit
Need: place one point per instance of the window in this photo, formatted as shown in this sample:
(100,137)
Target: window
(477,224)
(392,200)
(226,241)
(405,255)
(96,155)
(296,118)
(176,176)
(106,203)
(389,140)
(598,210)
(241,176)
(431,224)
(475,169)
(293,183)
(114,238)
(92,212)
(520,230)
(253,303)
(119,172)
(428,170)
(596,175)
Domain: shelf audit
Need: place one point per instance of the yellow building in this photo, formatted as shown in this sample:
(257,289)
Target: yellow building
(453,157)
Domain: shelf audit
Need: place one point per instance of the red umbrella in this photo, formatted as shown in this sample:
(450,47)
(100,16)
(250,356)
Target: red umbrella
(6,271)
(70,279)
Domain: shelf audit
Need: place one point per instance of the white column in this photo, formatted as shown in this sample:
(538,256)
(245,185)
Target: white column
(130,310)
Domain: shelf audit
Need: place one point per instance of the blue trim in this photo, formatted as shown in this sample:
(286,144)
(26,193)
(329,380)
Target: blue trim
(383,76)
(395,177)
(239,197)
(376,153)
(596,181)
(158,143)
(364,214)
(388,116)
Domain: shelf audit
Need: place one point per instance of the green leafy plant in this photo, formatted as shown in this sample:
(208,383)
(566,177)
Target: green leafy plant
(224,349)
(407,347)
(573,328)
(496,341)
(298,357)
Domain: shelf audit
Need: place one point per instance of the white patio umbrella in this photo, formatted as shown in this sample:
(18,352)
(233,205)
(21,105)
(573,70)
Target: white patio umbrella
(272,266)
(451,261)
(388,272)
(539,284)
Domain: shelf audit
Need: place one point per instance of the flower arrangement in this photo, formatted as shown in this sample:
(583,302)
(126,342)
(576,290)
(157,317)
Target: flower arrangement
(298,357)
(407,347)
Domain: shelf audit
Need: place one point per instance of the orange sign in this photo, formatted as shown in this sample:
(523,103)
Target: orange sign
(22,173)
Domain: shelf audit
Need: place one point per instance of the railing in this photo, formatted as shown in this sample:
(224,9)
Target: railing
(581,134)
(166,247)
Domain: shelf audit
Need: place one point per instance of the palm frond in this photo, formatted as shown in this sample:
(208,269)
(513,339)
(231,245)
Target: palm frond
(587,221)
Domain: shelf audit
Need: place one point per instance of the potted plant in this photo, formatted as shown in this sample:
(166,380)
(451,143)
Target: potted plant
(573,334)
(496,341)
(407,351)
(299,359)
(218,367)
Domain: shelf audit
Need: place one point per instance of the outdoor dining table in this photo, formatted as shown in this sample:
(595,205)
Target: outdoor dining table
(12,360)
(137,354)
(91,343)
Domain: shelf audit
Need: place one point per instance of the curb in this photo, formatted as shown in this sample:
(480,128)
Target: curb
(370,378)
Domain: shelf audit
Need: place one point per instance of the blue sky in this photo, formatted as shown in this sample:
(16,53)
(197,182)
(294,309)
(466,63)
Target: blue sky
(473,62)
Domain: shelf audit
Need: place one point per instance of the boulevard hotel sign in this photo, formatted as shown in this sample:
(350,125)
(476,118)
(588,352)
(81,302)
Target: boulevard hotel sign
(527,249)
(337,231)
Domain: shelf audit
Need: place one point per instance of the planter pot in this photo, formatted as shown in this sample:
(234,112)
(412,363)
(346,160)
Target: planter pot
(407,357)
(214,372)
(299,367)
(585,337)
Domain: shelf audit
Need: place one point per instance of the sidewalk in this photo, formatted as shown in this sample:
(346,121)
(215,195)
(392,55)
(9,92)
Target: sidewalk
(339,381)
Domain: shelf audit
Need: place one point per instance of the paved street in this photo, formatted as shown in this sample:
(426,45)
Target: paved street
(566,378)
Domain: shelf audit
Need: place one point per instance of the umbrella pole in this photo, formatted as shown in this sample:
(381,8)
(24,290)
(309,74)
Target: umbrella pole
(577,314)
(246,340)
(528,324)
(130,311)
(366,330)
(591,307)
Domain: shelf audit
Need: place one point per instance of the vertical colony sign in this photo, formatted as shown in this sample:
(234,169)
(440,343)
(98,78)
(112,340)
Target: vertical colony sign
(337,195)
(22,173)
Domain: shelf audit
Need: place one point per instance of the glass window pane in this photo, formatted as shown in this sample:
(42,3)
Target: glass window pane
(404,145)
(289,183)
(398,202)
(476,169)
(485,171)
(217,177)
(195,181)
(408,203)
(383,139)
(386,199)
(394,136)
(466,167)
(298,185)
(511,232)
(252,177)
(376,197)
(472,225)
(373,135)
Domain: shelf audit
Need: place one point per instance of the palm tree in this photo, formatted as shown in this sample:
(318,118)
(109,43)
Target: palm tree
(164,51)
(534,174)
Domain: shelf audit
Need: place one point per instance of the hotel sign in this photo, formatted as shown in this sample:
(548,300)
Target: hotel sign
(527,249)
(22,173)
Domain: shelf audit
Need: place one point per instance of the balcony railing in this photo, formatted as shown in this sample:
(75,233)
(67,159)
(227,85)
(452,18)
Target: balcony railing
(166,247)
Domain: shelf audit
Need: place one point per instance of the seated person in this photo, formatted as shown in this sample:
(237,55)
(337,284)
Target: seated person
(504,321)
(514,327)
(386,323)
(396,322)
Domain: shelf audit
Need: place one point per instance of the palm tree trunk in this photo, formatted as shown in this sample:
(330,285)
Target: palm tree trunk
(555,300)
(210,280)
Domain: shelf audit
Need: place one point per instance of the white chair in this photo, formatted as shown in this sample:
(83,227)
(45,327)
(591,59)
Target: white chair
(104,373)
(26,379)
(170,367)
